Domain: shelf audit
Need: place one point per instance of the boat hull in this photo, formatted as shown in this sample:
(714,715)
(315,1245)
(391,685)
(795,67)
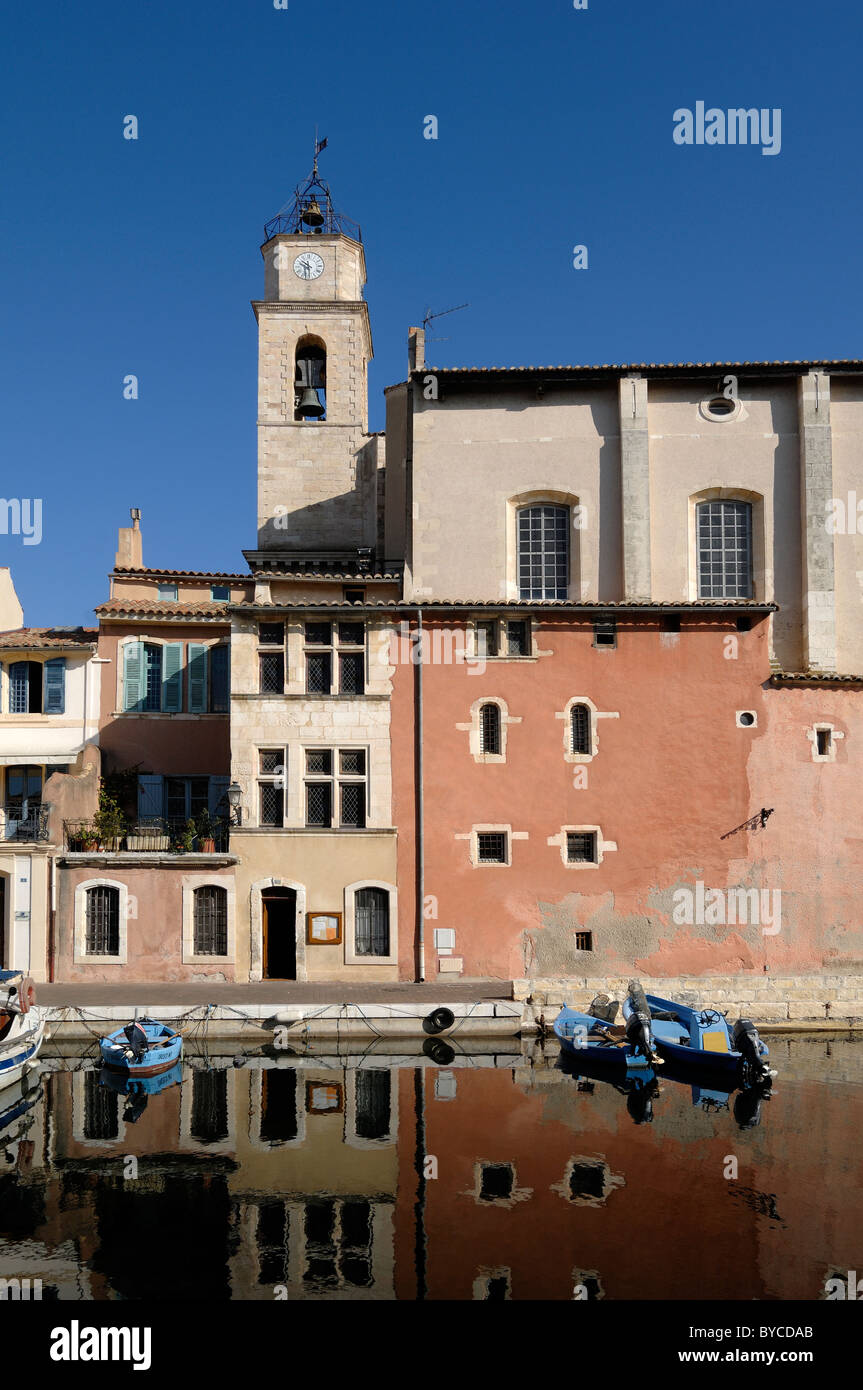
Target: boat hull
(586,1038)
(19,1052)
(157,1059)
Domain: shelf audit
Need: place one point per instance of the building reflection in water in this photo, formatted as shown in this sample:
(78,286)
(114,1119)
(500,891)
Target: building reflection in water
(378,1177)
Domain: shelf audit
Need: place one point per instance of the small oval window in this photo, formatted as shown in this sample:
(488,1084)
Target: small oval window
(720,406)
(746,718)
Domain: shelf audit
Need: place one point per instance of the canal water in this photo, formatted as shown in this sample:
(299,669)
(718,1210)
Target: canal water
(479,1175)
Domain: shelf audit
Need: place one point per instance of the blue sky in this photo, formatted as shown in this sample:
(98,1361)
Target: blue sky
(555,129)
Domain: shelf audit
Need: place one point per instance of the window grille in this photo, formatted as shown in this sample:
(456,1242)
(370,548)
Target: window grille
(319,673)
(272,804)
(581,846)
(351,634)
(272,674)
(724,549)
(584,941)
(351,674)
(319,804)
(211,921)
(491,847)
(272,760)
(372,922)
(320,761)
(605,634)
(580,722)
(319,634)
(353,808)
(517,639)
(352,762)
(271,634)
(543,552)
(103,921)
(489,729)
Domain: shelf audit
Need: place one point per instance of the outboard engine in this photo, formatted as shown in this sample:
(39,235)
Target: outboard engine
(745,1040)
(137,1040)
(638,1029)
(603,1008)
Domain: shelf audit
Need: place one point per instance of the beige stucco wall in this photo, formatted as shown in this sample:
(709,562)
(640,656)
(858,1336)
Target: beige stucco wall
(846,409)
(320,866)
(474,455)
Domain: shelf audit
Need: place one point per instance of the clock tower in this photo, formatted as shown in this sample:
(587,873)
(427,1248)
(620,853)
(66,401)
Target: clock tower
(316,471)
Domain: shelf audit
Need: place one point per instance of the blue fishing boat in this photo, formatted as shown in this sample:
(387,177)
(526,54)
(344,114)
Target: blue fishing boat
(594,1036)
(701,1039)
(142,1048)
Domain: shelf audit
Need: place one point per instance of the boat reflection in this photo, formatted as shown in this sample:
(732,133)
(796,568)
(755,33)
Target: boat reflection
(139,1089)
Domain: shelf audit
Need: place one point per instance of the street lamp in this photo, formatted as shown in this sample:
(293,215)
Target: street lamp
(235,796)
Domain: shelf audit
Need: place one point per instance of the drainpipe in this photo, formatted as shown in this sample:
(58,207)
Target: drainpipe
(420,827)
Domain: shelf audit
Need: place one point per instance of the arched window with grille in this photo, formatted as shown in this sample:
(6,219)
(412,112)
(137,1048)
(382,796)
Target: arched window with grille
(543,551)
(372,922)
(489,729)
(579,723)
(211,921)
(102,921)
(724,540)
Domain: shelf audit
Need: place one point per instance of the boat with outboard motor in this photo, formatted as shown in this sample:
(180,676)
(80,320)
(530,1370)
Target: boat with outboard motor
(143,1047)
(594,1035)
(701,1039)
(22,1025)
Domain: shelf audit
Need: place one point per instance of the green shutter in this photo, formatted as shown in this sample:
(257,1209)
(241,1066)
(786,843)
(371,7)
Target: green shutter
(219,681)
(134,676)
(54,690)
(172,677)
(197,678)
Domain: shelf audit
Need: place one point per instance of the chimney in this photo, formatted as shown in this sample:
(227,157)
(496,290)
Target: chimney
(11,612)
(416,349)
(130,545)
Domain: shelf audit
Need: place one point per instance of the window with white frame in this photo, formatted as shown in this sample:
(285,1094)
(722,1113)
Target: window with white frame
(102,921)
(543,551)
(724,541)
(335,657)
(580,730)
(37,687)
(372,922)
(210,920)
(336,786)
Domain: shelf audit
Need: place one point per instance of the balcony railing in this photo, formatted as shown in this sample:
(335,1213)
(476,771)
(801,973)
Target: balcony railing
(27,822)
(152,836)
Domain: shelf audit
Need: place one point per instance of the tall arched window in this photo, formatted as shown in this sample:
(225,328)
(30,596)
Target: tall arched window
(372,922)
(543,551)
(310,380)
(211,921)
(102,921)
(580,729)
(489,729)
(724,538)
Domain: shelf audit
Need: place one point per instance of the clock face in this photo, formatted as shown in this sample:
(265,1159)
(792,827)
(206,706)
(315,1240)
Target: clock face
(308,265)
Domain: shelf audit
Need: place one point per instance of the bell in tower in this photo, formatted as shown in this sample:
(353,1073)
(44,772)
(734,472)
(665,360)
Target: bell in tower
(310,382)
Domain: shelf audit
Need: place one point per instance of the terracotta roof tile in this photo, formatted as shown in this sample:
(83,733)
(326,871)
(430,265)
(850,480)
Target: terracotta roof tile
(45,638)
(146,573)
(144,607)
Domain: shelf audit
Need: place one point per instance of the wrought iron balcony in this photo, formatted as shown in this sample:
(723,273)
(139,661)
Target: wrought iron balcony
(24,822)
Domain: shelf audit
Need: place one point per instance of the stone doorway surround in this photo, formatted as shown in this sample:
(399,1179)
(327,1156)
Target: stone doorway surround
(256,934)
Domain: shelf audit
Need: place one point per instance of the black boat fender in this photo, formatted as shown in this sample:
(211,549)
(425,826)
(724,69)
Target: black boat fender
(745,1040)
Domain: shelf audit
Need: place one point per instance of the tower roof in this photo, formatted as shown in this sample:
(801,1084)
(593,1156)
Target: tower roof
(311,210)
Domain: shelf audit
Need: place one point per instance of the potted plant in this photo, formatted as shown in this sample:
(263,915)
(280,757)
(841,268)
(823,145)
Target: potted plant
(109,822)
(186,841)
(206,833)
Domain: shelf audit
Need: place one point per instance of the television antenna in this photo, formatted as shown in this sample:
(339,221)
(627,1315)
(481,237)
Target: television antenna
(439,315)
